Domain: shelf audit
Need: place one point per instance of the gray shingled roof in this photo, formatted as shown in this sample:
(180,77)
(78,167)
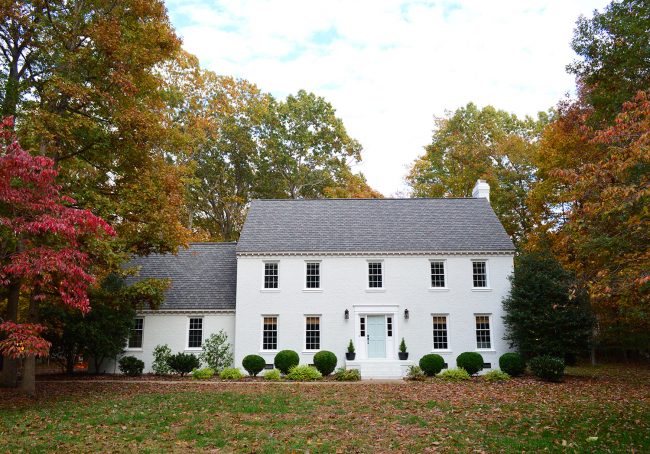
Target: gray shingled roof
(372,225)
(204,276)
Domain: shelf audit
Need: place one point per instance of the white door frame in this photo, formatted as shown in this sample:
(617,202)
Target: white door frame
(360,344)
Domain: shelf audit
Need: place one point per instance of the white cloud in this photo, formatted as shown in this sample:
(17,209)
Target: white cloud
(388,67)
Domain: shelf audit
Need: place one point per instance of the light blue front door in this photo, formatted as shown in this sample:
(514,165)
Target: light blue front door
(376,336)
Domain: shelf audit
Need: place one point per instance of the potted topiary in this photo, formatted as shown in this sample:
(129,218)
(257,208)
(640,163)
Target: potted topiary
(403,355)
(350,355)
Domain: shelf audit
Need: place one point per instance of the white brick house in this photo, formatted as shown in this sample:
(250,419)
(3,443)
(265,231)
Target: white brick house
(314,274)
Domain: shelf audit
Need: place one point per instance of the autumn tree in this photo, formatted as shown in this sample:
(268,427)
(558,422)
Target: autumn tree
(613,53)
(48,248)
(490,144)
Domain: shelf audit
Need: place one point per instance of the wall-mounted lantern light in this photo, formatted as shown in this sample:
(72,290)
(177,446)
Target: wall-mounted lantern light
(406,314)
(347,314)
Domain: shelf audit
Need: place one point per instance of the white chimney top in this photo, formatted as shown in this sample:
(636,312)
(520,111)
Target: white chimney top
(481,190)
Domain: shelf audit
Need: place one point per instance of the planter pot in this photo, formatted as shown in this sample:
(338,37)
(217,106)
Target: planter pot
(403,356)
(350,356)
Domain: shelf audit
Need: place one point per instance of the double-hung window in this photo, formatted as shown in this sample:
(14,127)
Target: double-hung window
(195,333)
(270,333)
(271,275)
(479,274)
(312,332)
(375,275)
(312,275)
(135,335)
(438,274)
(483,338)
(440,332)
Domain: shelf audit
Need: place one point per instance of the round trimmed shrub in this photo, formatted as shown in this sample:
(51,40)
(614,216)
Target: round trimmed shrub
(254,364)
(512,364)
(131,366)
(183,363)
(431,364)
(548,368)
(325,362)
(472,362)
(285,360)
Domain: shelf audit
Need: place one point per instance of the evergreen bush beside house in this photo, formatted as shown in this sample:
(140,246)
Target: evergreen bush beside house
(548,368)
(343,374)
(414,373)
(513,364)
(432,364)
(325,361)
(285,360)
(131,366)
(272,375)
(231,373)
(183,363)
(458,374)
(496,375)
(254,364)
(472,362)
(203,374)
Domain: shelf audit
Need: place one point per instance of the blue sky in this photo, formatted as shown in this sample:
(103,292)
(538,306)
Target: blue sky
(390,67)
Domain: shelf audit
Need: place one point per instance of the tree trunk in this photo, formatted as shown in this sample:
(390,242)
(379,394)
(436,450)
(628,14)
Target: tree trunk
(28,383)
(593,355)
(10,366)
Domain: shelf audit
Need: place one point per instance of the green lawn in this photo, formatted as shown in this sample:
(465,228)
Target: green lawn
(596,410)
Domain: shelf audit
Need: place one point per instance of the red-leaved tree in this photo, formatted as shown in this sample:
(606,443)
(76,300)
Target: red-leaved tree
(46,249)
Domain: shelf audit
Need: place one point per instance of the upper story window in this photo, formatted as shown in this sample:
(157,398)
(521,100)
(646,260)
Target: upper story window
(195,333)
(312,277)
(135,335)
(479,277)
(375,275)
(271,275)
(438,274)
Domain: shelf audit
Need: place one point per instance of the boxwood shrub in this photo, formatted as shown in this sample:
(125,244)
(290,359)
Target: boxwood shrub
(512,364)
(548,368)
(431,364)
(183,363)
(254,364)
(472,362)
(325,362)
(285,360)
(131,366)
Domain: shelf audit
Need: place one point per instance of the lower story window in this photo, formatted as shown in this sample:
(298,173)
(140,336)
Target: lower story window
(440,332)
(270,333)
(135,335)
(195,335)
(483,331)
(312,333)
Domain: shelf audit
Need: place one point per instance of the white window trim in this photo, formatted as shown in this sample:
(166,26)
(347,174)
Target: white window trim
(187,334)
(320,275)
(444,269)
(491,349)
(488,287)
(129,349)
(448,349)
(269,290)
(304,333)
(383,276)
(277,330)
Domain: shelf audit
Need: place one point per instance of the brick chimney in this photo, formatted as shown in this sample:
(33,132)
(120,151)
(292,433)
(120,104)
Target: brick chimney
(481,190)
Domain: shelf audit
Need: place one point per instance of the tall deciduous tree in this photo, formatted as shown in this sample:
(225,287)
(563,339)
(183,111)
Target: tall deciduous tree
(46,242)
(614,55)
(486,143)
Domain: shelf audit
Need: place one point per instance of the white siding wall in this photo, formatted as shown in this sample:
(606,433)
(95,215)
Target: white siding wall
(172,329)
(344,286)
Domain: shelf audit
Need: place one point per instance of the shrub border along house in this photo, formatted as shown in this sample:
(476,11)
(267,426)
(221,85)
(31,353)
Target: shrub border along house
(432,364)
(472,362)
(131,366)
(513,364)
(253,364)
(325,361)
(548,368)
(285,360)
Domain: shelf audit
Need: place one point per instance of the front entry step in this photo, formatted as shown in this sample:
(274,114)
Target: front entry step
(382,369)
